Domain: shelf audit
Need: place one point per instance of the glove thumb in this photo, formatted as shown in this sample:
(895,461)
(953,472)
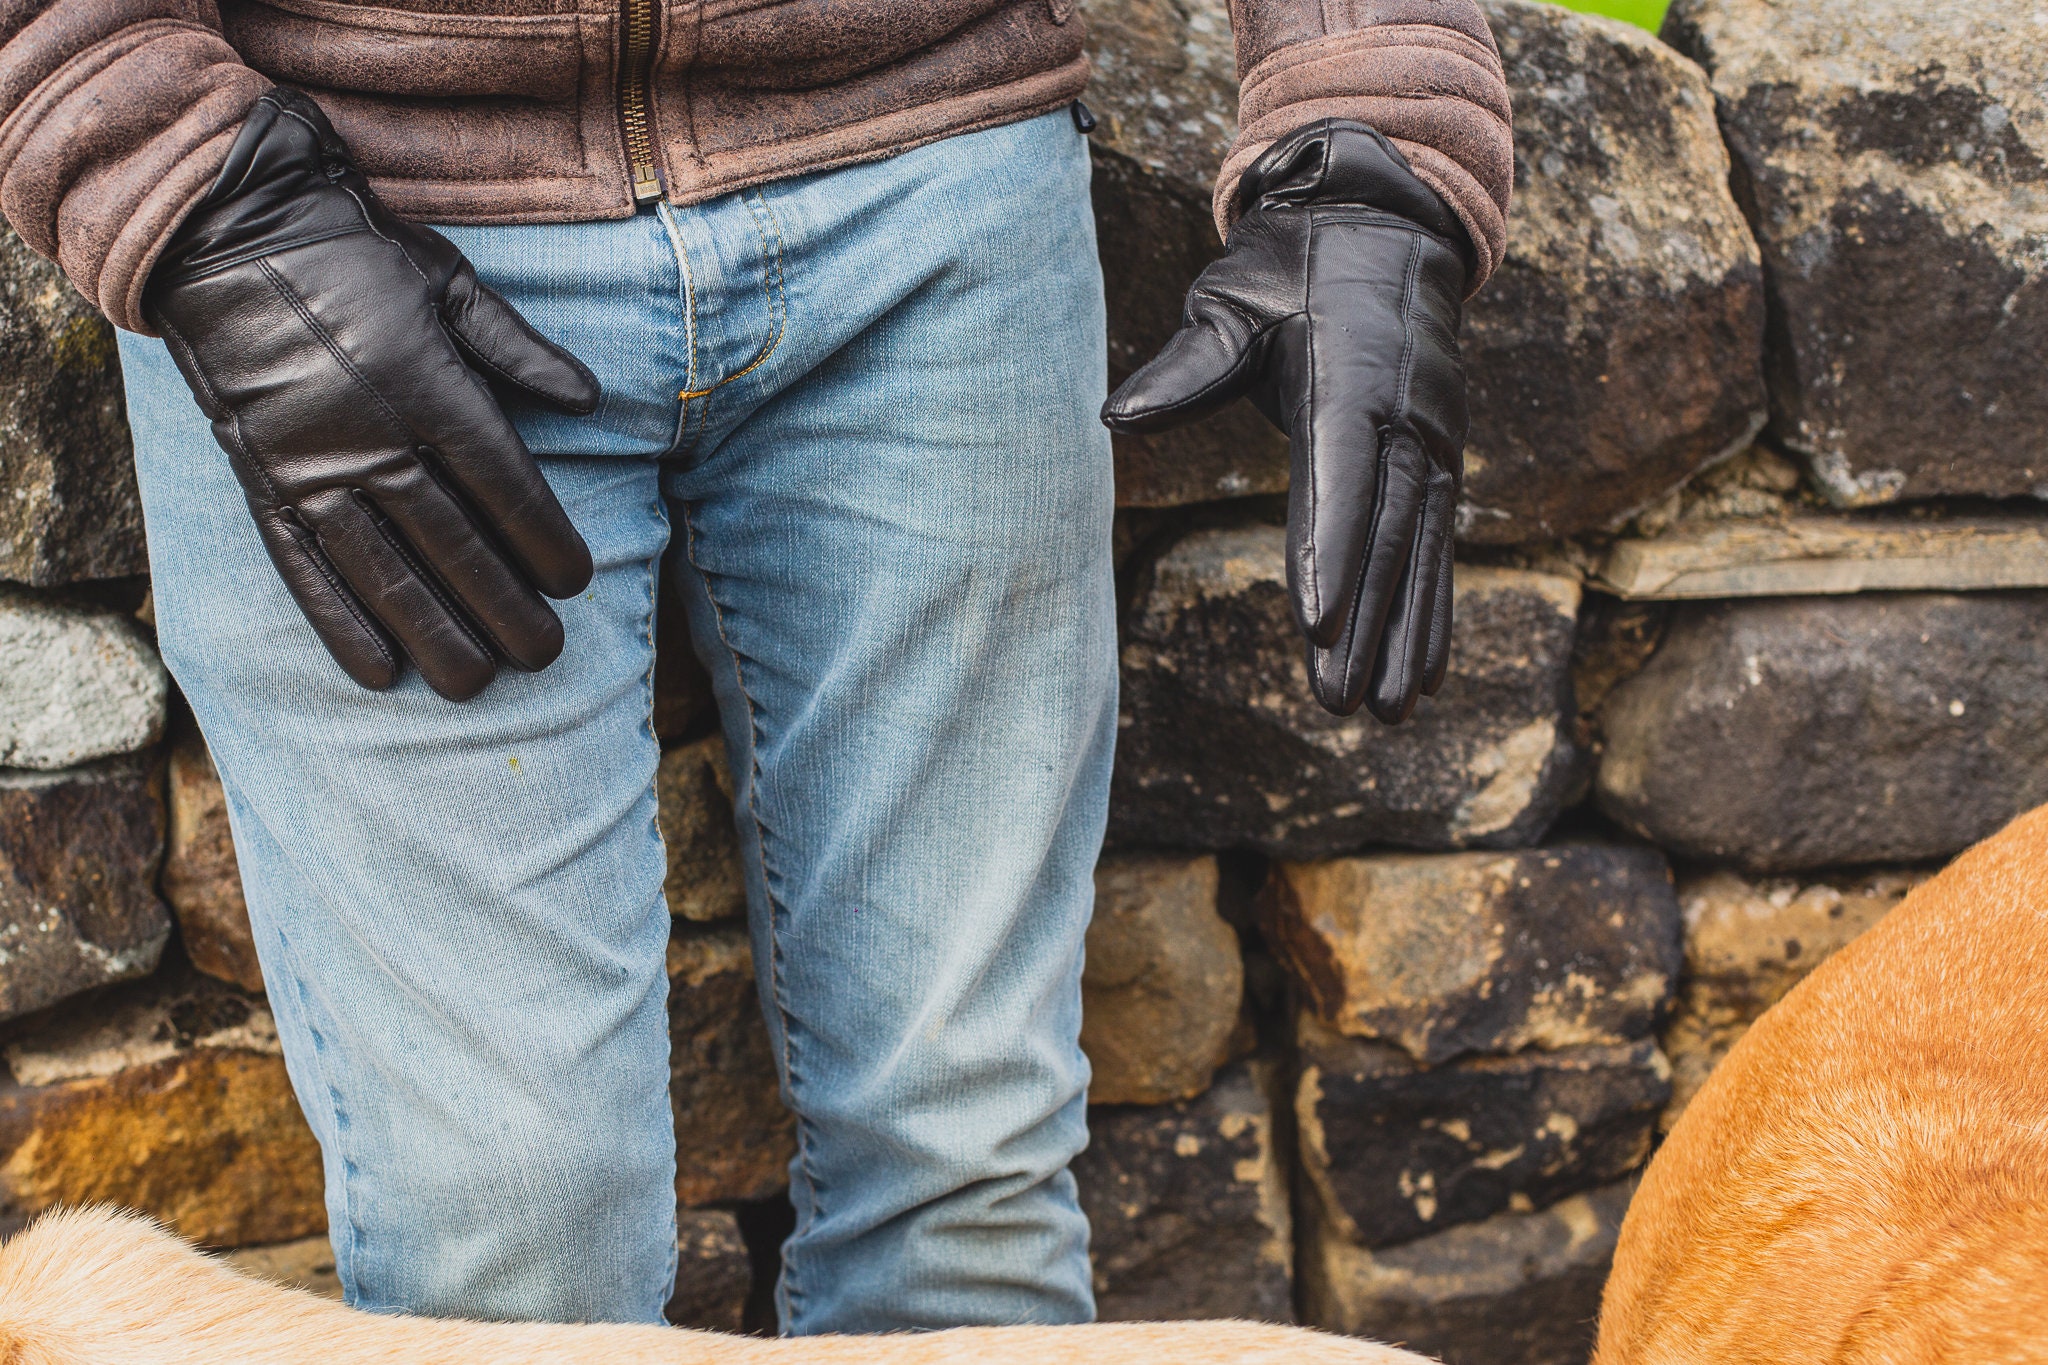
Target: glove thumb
(505,346)
(1205,365)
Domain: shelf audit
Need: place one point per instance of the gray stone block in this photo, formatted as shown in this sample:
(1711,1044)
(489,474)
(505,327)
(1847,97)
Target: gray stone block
(75,685)
(1795,733)
(1223,746)
(1189,1207)
(68,506)
(1618,349)
(1893,154)
(1397,1151)
(1517,1289)
(79,852)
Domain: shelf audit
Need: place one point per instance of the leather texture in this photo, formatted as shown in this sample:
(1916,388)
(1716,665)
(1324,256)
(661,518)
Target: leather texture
(118,112)
(1336,310)
(347,361)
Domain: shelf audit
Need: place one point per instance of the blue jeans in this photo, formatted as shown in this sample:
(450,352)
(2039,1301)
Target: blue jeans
(865,401)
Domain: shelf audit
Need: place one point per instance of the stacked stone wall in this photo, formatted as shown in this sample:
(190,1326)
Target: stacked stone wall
(1751,631)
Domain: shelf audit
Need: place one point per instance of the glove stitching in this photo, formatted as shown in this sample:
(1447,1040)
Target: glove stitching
(227,263)
(326,339)
(172,336)
(316,555)
(1308,402)
(281,507)
(1411,276)
(1352,663)
(370,223)
(298,306)
(476,359)
(1259,334)
(430,581)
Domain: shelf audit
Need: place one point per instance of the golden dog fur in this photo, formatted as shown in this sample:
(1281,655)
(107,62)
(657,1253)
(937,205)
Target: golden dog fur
(93,1287)
(1865,1178)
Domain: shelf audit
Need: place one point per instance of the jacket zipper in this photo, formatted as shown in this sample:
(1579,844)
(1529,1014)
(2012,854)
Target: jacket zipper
(636,63)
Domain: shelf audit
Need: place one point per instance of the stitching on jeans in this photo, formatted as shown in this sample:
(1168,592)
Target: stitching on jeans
(803,1146)
(689,281)
(777,295)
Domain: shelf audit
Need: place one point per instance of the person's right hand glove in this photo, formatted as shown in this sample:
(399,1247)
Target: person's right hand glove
(1336,311)
(342,354)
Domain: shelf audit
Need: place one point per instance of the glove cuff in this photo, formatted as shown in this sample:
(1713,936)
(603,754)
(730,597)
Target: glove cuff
(1341,161)
(268,193)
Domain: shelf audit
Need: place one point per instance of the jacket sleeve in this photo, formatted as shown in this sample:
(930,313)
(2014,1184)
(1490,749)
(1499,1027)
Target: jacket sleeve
(1424,72)
(115,116)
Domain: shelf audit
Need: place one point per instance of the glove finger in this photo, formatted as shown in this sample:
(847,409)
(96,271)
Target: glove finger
(504,345)
(1341,672)
(483,457)
(517,621)
(450,656)
(363,648)
(1402,664)
(1337,465)
(1203,366)
(1438,660)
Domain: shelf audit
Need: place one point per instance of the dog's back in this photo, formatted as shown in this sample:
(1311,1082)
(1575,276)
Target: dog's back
(94,1287)
(1865,1178)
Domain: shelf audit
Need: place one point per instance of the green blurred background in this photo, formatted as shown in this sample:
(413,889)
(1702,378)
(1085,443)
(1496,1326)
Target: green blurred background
(1648,13)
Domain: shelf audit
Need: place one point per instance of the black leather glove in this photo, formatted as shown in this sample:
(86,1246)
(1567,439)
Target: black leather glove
(1336,310)
(343,356)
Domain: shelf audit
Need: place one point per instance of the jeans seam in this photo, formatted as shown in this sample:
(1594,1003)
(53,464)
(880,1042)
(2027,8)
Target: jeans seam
(688,277)
(803,1153)
(773,288)
(345,1258)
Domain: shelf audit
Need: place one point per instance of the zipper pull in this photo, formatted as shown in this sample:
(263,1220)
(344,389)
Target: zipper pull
(1084,118)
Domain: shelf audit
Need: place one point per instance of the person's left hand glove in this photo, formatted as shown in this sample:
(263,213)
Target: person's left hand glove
(1336,310)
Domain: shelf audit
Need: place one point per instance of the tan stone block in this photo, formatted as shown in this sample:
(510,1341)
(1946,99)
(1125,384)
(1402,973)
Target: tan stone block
(1750,941)
(734,1139)
(170,1099)
(1164,982)
(201,879)
(1822,554)
(693,787)
(1443,954)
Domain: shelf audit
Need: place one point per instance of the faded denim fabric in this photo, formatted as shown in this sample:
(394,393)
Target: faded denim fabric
(865,400)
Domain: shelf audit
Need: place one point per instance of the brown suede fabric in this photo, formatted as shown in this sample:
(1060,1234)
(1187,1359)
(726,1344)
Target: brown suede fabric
(115,114)
(1424,72)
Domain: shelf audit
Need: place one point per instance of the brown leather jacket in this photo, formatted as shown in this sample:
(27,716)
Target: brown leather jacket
(115,114)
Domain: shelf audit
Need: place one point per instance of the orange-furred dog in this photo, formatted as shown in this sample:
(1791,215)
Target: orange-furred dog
(98,1288)
(1865,1178)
